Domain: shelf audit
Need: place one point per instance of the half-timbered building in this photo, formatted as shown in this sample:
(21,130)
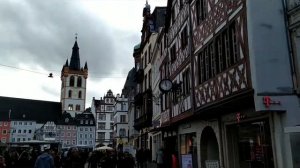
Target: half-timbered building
(233,99)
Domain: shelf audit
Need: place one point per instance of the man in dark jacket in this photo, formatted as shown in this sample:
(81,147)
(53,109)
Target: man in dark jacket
(45,160)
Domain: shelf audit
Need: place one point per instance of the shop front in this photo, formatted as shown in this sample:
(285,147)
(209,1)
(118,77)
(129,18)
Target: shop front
(188,150)
(249,143)
(199,144)
(170,141)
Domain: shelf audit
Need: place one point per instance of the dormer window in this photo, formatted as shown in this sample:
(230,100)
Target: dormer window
(81,121)
(66,120)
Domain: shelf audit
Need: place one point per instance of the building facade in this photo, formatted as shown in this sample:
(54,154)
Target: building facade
(104,109)
(143,55)
(120,122)
(66,130)
(4,131)
(233,97)
(86,128)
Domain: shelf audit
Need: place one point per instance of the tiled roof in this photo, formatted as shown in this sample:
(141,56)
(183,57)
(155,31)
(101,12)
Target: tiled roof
(86,115)
(27,109)
(66,119)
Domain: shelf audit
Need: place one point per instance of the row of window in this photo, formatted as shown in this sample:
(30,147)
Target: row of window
(70,107)
(66,127)
(109,100)
(101,126)
(219,54)
(86,121)
(74,128)
(19,131)
(20,139)
(101,135)
(85,142)
(102,117)
(72,81)
(86,129)
(75,135)
(85,135)
(67,134)
(67,142)
(3,123)
(22,123)
(70,94)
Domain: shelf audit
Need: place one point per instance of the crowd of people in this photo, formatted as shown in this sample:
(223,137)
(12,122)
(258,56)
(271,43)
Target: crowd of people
(72,158)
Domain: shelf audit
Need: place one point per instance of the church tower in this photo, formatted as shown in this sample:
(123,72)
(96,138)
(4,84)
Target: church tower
(73,84)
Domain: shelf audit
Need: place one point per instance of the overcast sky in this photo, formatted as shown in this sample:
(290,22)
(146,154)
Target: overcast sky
(37,37)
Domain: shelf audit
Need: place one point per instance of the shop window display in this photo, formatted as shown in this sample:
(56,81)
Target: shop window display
(188,146)
(250,145)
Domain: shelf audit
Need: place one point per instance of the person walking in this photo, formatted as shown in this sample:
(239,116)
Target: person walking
(2,162)
(140,158)
(45,160)
(160,158)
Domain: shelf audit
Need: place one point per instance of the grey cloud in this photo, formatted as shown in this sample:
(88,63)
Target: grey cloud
(44,32)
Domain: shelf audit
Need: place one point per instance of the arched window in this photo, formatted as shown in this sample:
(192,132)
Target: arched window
(79,94)
(77,107)
(70,107)
(79,82)
(70,93)
(72,81)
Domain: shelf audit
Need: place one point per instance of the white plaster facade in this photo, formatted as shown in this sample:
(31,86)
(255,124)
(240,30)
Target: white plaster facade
(22,130)
(121,120)
(105,119)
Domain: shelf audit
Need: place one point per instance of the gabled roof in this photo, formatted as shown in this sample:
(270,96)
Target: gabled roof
(27,109)
(86,115)
(66,119)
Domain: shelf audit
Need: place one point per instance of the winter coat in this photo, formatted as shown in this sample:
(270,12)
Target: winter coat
(44,161)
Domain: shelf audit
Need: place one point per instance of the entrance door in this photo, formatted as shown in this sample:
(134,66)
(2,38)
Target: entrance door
(209,148)
(249,145)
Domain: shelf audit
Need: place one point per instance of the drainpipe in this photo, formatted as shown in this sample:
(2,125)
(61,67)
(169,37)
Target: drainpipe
(288,37)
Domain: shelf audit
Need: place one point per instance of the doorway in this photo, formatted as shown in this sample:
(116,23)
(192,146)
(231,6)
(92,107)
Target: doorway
(209,148)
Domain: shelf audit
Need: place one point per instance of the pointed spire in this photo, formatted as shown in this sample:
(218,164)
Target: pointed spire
(85,66)
(75,60)
(146,10)
(67,63)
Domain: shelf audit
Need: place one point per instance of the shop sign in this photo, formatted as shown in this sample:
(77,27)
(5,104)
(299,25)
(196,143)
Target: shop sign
(267,101)
(187,161)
